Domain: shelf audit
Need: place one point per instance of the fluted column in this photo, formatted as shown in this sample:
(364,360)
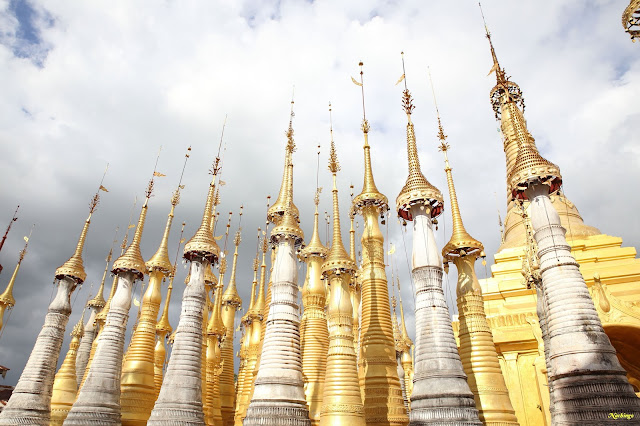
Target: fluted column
(382,392)
(585,374)
(31,398)
(137,388)
(478,352)
(99,397)
(180,399)
(278,397)
(441,394)
(65,384)
(341,400)
(316,342)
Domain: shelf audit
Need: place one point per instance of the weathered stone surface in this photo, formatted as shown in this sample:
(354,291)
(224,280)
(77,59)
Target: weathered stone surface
(278,397)
(180,399)
(99,398)
(31,398)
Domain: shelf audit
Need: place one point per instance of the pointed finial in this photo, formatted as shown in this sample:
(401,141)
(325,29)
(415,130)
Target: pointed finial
(160,260)
(98,301)
(74,268)
(370,194)
(78,329)
(500,73)
(163,326)
(505,90)
(334,166)
(337,259)
(407,101)
(230,296)
(202,246)
(365,123)
(285,197)
(6,298)
(131,260)
(315,246)
(417,189)
(461,243)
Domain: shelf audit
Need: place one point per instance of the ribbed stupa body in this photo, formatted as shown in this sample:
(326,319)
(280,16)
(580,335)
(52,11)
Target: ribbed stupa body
(242,372)
(406,358)
(101,317)
(65,383)
(84,350)
(180,398)
(246,323)
(31,398)
(163,328)
(138,392)
(379,380)
(215,334)
(586,377)
(99,397)
(138,388)
(231,303)
(477,350)
(251,345)
(441,394)
(314,341)
(341,400)
(91,328)
(30,402)
(278,397)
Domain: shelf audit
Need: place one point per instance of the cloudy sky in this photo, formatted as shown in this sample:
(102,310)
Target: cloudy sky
(89,83)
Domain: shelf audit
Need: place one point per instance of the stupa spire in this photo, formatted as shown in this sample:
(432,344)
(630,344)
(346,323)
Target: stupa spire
(341,400)
(7,300)
(277,210)
(137,392)
(477,349)
(370,193)
(231,303)
(314,335)
(381,389)
(417,188)
(104,375)
(30,402)
(439,396)
(185,369)
(74,267)
(279,390)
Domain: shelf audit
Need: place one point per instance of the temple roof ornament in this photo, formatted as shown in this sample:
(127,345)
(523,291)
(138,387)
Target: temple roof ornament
(631,20)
